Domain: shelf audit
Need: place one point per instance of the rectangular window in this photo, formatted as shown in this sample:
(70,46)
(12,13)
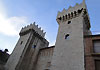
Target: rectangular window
(96,46)
(97,64)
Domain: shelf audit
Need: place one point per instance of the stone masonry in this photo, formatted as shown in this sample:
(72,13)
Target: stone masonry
(71,48)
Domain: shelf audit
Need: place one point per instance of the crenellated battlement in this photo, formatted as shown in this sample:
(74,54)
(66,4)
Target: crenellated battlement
(72,12)
(33,27)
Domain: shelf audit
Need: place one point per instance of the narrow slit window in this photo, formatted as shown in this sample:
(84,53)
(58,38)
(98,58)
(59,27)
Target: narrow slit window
(67,36)
(69,22)
(66,16)
(63,17)
(21,42)
(75,13)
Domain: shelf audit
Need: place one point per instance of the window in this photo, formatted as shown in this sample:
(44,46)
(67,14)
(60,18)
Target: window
(34,46)
(67,36)
(59,18)
(63,17)
(21,42)
(75,13)
(66,16)
(97,64)
(69,22)
(96,46)
(79,11)
(72,14)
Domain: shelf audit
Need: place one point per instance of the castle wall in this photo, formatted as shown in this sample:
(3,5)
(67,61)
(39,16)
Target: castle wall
(69,54)
(26,51)
(41,44)
(16,54)
(44,59)
(24,61)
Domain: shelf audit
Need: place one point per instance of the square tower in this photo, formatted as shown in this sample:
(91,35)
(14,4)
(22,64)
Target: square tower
(74,24)
(24,55)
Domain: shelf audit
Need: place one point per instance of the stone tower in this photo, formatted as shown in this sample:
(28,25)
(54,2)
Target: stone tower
(74,24)
(26,50)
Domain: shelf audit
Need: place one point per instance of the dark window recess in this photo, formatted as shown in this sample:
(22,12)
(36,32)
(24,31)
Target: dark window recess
(34,46)
(63,17)
(21,42)
(69,15)
(75,13)
(66,16)
(59,18)
(79,11)
(97,64)
(67,36)
(72,14)
(69,22)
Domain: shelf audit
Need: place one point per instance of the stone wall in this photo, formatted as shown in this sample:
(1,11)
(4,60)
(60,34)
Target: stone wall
(44,59)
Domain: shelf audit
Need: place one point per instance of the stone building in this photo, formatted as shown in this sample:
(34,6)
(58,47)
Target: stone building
(75,48)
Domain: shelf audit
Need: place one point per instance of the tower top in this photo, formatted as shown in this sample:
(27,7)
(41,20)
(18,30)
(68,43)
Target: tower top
(33,27)
(72,12)
(72,9)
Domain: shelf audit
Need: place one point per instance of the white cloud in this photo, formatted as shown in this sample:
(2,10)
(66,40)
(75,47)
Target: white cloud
(10,26)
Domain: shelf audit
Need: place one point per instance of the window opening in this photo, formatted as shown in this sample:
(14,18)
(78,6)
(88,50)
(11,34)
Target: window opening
(72,14)
(97,64)
(96,44)
(67,36)
(69,15)
(79,11)
(59,18)
(75,13)
(66,16)
(34,46)
(63,17)
(69,22)
(21,42)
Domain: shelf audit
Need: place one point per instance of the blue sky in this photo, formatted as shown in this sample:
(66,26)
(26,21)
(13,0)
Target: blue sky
(15,14)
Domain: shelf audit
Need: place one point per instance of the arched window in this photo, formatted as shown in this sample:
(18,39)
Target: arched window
(67,36)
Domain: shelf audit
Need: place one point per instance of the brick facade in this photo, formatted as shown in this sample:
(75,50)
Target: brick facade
(90,56)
